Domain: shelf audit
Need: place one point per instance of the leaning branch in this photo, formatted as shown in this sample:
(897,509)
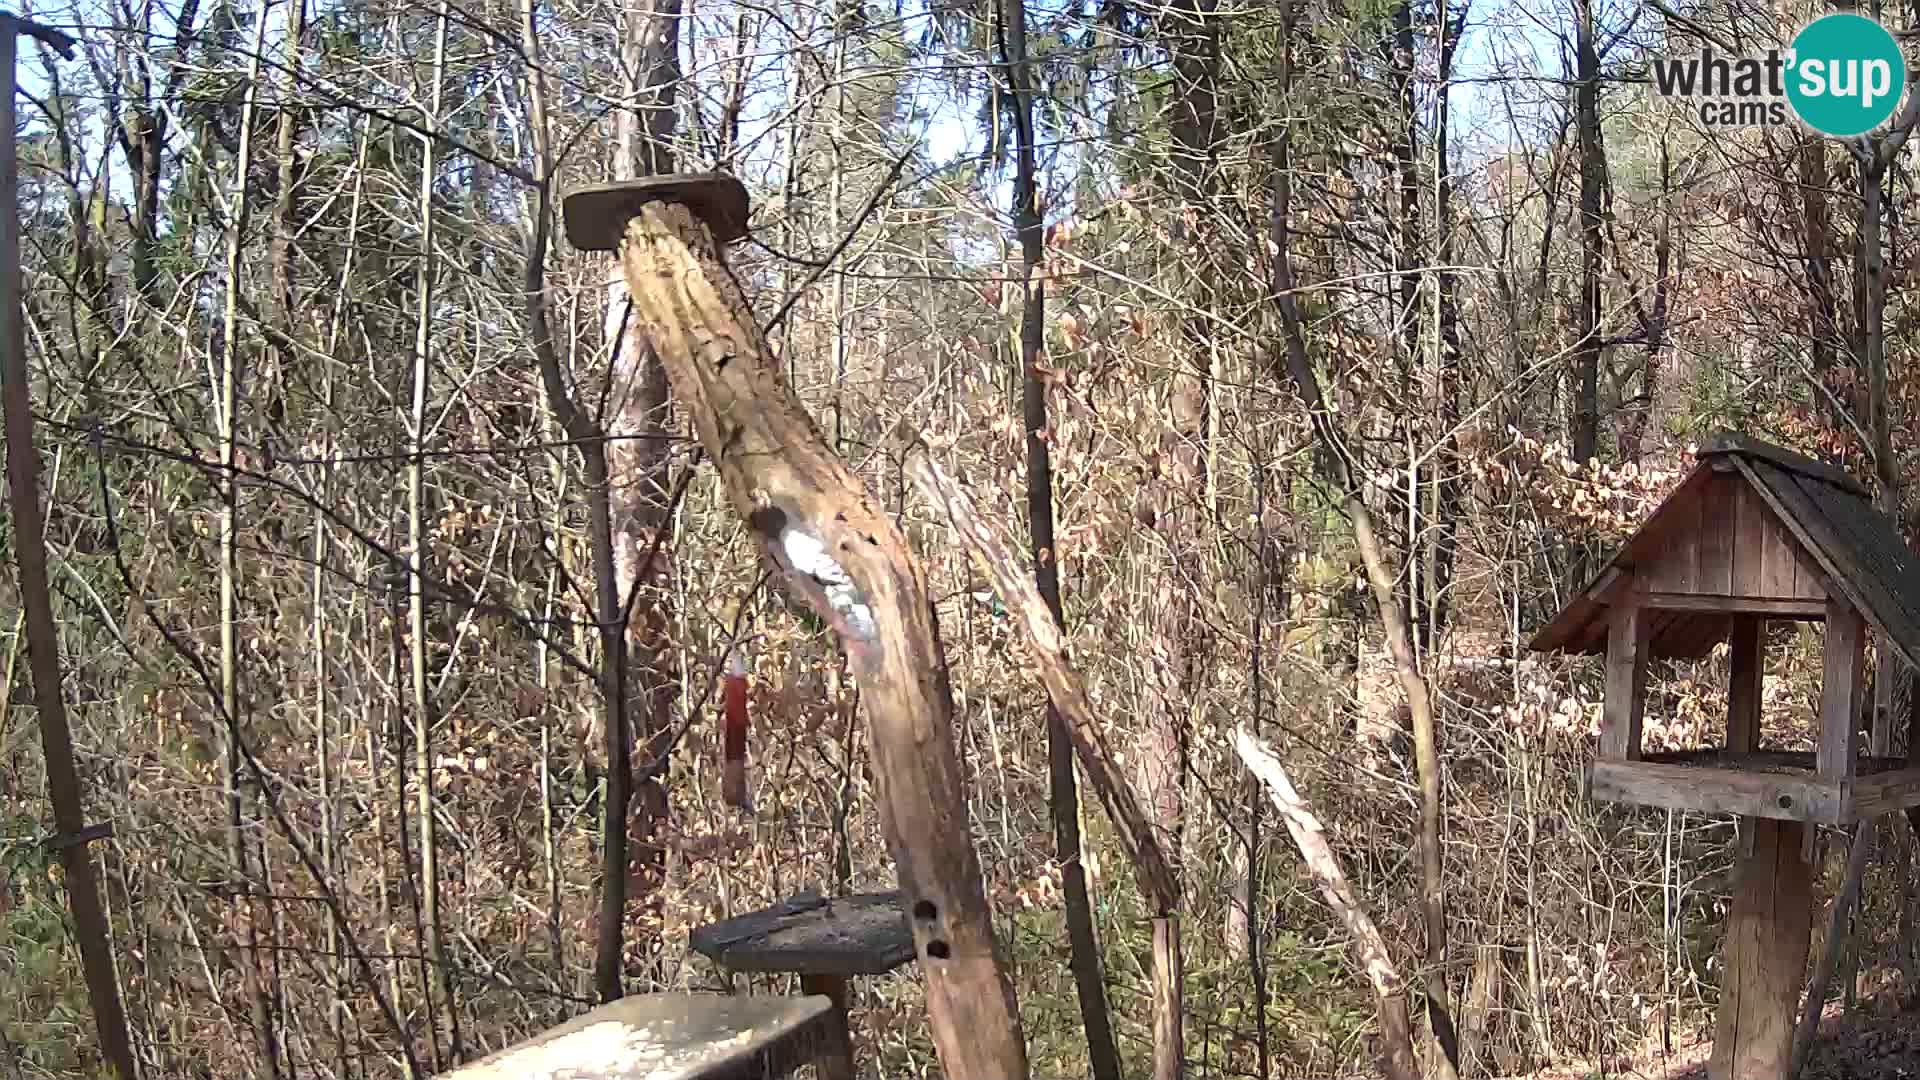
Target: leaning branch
(993,553)
(1389,991)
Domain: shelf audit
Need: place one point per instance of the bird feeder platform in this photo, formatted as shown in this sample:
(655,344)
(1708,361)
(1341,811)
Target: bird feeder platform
(669,1037)
(1778,784)
(1755,533)
(825,942)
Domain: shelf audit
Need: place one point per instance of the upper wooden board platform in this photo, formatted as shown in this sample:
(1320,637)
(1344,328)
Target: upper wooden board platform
(596,216)
(865,934)
(667,1037)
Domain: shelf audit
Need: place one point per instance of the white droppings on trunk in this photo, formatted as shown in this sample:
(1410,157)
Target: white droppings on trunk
(807,555)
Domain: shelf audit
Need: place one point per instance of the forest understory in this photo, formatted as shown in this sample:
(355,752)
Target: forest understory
(1312,354)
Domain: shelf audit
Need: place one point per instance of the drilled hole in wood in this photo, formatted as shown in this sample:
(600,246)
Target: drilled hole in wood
(938,949)
(925,911)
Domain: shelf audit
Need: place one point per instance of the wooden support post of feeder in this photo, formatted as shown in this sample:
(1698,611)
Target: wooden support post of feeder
(841,553)
(1768,930)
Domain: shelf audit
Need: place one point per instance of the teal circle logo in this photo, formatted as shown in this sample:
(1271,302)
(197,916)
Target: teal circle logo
(1847,75)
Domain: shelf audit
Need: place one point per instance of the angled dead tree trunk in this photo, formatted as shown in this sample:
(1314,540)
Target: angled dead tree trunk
(993,554)
(1389,991)
(841,552)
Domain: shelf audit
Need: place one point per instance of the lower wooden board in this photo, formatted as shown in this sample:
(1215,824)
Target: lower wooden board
(1719,791)
(667,1037)
(1775,785)
(1885,793)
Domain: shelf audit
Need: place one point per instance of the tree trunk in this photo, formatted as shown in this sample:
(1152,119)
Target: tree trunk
(1344,469)
(1586,350)
(260,1011)
(1180,640)
(280,239)
(1063,797)
(844,556)
(94,935)
(1443,514)
(422,704)
(1816,237)
(637,466)
(1859,852)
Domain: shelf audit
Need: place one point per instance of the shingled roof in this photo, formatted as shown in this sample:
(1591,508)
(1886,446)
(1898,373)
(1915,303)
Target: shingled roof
(1752,521)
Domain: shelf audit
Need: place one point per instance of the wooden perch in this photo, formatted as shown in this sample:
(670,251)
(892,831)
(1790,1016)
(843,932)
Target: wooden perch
(838,550)
(993,554)
(1389,992)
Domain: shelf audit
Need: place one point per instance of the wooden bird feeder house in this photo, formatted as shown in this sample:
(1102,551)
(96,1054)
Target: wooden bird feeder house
(1754,533)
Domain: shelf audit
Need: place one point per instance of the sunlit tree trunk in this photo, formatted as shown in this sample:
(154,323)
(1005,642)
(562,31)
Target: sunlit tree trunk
(422,704)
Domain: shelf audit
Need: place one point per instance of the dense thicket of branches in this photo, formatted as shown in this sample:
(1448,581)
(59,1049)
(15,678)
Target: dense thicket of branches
(1367,326)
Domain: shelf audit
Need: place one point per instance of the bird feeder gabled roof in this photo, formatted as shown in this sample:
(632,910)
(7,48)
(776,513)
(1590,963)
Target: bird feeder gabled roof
(1754,528)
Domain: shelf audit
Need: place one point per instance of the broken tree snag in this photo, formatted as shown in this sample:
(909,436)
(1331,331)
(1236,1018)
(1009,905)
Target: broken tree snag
(842,554)
(993,554)
(1389,991)
(1766,955)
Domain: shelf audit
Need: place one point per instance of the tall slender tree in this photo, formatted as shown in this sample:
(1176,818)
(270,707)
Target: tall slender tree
(1063,797)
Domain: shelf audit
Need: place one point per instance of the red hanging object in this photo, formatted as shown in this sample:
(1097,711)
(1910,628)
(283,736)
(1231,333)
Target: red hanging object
(733,733)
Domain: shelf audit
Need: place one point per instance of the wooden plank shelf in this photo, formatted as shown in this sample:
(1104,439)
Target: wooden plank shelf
(809,934)
(669,1037)
(1781,785)
(826,941)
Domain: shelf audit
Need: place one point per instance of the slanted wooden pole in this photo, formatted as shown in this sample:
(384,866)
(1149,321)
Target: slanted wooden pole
(994,555)
(92,934)
(841,553)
